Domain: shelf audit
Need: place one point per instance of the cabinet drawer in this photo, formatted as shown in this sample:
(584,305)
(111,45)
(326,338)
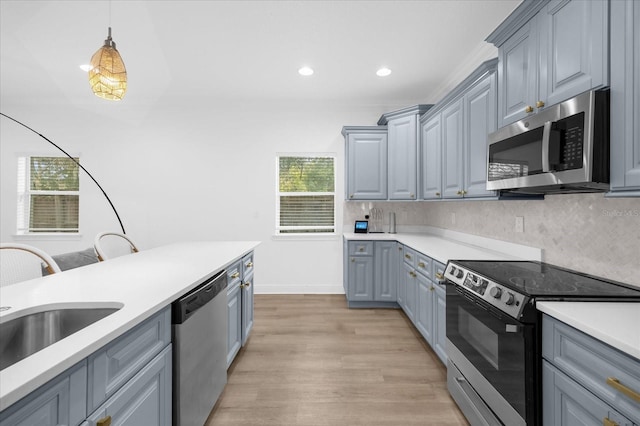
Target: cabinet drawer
(113,365)
(247,264)
(360,248)
(437,272)
(409,256)
(234,274)
(423,264)
(565,402)
(593,364)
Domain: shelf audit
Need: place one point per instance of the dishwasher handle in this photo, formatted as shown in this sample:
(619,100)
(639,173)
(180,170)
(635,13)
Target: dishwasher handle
(186,306)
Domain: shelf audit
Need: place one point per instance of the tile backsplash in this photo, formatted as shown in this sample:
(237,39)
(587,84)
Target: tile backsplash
(584,232)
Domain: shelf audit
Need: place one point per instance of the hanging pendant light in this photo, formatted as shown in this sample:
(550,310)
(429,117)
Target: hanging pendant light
(108,76)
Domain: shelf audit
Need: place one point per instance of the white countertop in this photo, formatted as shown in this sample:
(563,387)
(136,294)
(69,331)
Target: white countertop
(142,283)
(616,324)
(443,245)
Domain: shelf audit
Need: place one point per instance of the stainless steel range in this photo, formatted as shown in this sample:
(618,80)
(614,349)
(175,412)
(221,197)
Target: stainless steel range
(494,333)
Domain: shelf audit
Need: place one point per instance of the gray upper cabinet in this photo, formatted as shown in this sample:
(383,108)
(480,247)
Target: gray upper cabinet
(402,130)
(625,98)
(431,159)
(453,138)
(550,52)
(366,151)
(480,110)
(452,149)
(402,158)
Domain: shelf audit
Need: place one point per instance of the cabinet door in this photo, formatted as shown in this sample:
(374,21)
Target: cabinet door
(360,278)
(424,308)
(144,400)
(62,401)
(480,119)
(410,291)
(247,307)
(234,322)
(431,159)
(625,97)
(452,138)
(401,276)
(402,158)
(565,402)
(439,343)
(386,271)
(574,37)
(367,166)
(517,74)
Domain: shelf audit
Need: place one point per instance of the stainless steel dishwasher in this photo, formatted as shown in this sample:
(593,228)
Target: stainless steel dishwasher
(199,334)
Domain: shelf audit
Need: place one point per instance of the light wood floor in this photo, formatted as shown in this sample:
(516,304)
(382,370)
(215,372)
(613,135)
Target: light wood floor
(312,361)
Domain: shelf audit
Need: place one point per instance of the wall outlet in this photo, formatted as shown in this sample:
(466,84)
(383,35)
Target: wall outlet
(519,224)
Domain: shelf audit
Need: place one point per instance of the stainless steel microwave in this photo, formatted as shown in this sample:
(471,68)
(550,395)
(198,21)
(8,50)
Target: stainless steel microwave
(564,148)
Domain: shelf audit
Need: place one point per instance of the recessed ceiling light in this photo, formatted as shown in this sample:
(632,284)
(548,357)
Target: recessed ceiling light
(306,71)
(85,67)
(383,72)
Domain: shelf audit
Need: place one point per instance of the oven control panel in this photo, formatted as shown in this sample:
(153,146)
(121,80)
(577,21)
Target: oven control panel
(499,296)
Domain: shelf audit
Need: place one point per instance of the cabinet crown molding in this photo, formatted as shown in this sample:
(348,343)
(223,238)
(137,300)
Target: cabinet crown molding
(520,16)
(416,109)
(363,129)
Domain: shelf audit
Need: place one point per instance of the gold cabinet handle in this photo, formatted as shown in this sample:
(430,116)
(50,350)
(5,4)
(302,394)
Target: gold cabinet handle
(407,256)
(247,284)
(353,259)
(105,421)
(439,276)
(464,192)
(235,275)
(361,249)
(528,109)
(400,248)
(421,264)
(539,104)
(615,383)
(608,422)
(412,195)
(250,265)
(437,194)
(432,288)
(351,196)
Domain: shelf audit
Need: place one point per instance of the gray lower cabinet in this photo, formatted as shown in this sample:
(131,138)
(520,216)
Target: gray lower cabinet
(128,379)
(585,381)
(625,98)
(371,273)
(62,401)
(430,316)
(143,400)
(240,285)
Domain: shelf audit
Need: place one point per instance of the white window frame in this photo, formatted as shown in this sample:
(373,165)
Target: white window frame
(331,230)
(24,199)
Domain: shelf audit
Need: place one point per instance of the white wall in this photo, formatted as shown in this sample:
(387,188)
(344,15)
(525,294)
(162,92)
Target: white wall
(180,171)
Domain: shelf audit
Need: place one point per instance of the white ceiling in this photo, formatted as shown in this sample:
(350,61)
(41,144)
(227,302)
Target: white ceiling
(247,51)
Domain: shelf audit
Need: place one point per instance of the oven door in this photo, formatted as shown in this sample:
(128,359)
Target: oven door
(495,354)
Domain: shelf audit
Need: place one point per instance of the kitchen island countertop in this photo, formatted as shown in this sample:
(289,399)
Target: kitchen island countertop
(142,283)
(614,323)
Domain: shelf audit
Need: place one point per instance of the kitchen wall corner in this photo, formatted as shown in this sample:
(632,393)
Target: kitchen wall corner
(585,232)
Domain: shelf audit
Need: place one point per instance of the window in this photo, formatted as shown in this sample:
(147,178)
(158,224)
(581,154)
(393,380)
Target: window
(48,195)
(306,195)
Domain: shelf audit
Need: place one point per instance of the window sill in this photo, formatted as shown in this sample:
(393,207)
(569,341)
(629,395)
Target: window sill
(46,236)
(305,237)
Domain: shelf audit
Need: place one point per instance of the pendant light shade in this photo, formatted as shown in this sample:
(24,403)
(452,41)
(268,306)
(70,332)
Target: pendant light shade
(108,76)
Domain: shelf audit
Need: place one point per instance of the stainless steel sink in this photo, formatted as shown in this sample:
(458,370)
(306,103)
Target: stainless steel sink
(26,335)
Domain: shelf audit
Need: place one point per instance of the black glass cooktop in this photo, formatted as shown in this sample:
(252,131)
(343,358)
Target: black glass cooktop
(539,279)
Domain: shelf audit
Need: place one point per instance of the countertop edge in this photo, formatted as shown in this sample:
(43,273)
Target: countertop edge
(579,315)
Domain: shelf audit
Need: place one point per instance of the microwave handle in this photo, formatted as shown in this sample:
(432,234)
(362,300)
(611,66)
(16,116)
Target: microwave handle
(546,132)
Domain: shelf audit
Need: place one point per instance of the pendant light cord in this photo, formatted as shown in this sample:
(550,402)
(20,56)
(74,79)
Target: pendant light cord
(75,161)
